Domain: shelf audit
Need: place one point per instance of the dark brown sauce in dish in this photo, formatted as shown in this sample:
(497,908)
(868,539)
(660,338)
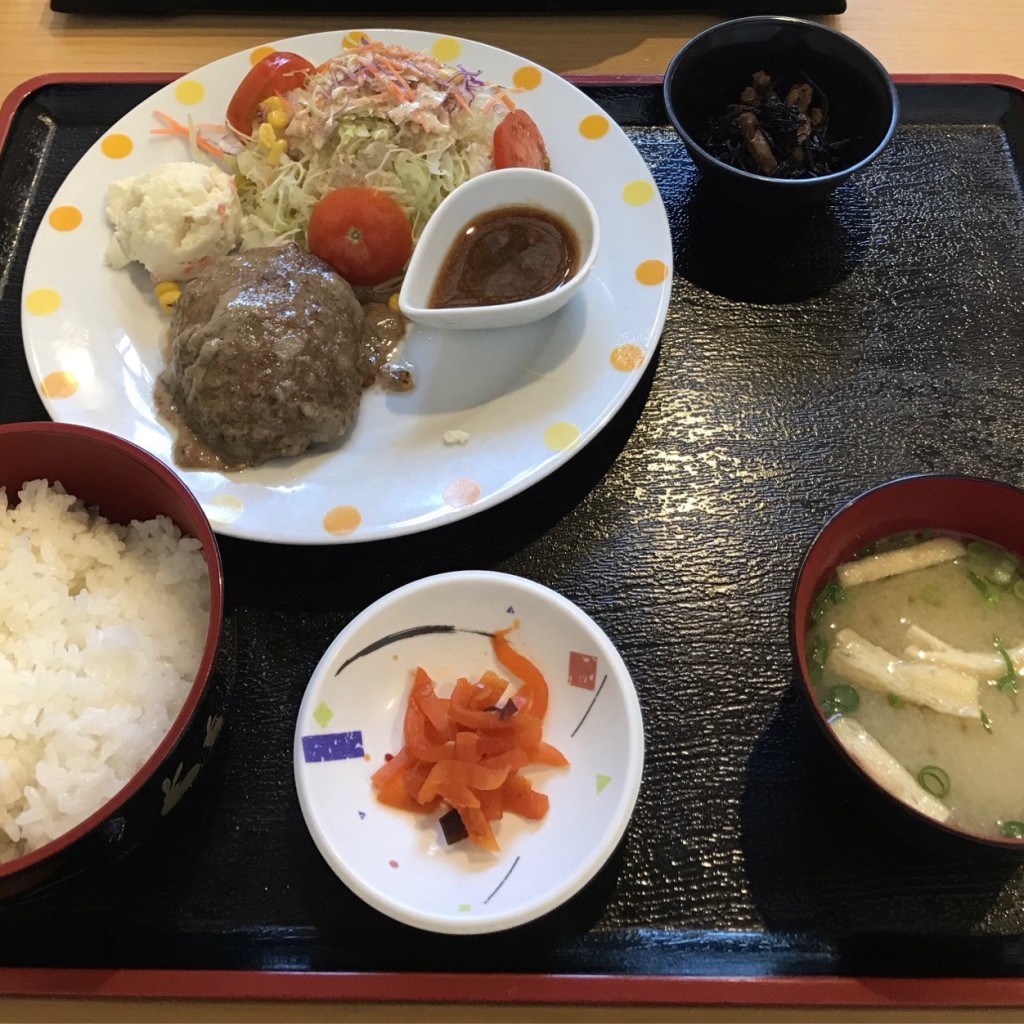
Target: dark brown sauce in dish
(506,255)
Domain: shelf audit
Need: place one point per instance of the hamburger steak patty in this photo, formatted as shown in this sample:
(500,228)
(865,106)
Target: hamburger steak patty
(264,353)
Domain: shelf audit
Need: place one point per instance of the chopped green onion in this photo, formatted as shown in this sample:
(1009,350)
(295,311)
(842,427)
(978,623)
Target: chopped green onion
(992,563)
(841,700)
(832,593)
(1012,829)
(986,722)
(931,594)
(982,549)
(1001,572)
(895,700)
(986,589)
(816,657)
(934,780)
(1009,680)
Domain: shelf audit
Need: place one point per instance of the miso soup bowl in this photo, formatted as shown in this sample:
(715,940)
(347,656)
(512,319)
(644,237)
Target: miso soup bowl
(711,70)
(511,186)
(122,482)
(978,507)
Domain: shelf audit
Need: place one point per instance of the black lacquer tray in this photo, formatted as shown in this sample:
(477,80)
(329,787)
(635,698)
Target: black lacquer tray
(801,363)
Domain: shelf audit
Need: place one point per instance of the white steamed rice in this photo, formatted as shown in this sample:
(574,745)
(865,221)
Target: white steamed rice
(102,628)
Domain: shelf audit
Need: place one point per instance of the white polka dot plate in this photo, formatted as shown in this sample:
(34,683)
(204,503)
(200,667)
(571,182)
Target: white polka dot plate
(351,718)
(484,421)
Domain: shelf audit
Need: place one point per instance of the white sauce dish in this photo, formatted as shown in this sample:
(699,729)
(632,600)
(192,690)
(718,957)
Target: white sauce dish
(542,193)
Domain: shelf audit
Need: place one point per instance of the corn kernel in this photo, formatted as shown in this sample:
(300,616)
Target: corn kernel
(275,152)
(266,136)
(393,302)
(166,286)
(169,298)
(278,119)
(272,103)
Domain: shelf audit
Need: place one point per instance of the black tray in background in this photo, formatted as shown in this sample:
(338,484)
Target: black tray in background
(799,365)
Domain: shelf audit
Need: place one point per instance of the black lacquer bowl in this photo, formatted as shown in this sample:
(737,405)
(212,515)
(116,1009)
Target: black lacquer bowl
(711,71)
(944,503)
(123,483)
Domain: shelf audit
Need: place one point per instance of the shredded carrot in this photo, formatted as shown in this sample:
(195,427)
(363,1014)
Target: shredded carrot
(175,128)
(396,69)
(500,97)
(465,751)
(377,73)
(460,99)
(392,66)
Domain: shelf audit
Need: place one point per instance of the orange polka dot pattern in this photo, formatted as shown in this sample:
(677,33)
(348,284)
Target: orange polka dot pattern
(459,491)
(65,218)
(342,519)
(60,384)
(627,357)
(116,146)
(651,272)
(594,126)
(527,77)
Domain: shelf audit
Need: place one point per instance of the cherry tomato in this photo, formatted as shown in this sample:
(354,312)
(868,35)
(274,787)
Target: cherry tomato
(361,232)
(519,143)
(275,75)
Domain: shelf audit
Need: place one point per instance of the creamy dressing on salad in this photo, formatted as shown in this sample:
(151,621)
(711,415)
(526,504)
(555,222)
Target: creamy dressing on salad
(376,115)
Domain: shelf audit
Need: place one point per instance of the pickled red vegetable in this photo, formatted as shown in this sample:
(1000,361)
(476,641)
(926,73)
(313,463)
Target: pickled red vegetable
(463,753)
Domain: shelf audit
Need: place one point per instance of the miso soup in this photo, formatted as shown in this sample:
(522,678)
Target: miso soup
(916,652)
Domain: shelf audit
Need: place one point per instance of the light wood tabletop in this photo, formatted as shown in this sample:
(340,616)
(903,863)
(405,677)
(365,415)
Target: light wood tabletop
(912,36)
(908,36)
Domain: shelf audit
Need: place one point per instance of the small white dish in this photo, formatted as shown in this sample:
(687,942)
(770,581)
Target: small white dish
(352,716)
(511,186)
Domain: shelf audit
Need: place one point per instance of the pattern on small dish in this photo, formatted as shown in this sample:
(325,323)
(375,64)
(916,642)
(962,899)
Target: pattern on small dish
(351,719)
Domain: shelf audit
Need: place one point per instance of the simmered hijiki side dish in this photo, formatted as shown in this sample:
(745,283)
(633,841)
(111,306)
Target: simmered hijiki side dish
(916,650)
(346,161)
(776,131)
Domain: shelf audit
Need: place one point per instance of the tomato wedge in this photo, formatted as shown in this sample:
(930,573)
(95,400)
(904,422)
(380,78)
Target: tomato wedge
(361,232)
(519,143)
(279,72)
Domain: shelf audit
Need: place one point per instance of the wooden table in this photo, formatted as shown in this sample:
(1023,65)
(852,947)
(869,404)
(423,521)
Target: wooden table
(908,36)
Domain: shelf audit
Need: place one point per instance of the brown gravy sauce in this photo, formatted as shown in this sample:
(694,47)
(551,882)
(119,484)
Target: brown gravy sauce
(188,451)
(506,255)
(384,331)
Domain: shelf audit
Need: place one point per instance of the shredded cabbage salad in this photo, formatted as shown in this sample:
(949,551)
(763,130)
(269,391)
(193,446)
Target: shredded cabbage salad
(378,115)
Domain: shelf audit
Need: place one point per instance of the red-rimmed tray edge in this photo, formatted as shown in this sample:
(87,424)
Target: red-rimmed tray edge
(432,987)
(647,990)
(21,93)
